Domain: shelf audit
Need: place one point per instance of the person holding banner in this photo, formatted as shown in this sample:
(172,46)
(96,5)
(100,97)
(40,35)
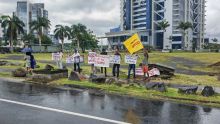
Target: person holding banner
(102,68)
(59,61)
(116,67)
(132,66)
(76,58)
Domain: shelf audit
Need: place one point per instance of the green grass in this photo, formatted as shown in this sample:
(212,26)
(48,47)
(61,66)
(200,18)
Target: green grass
(141,92)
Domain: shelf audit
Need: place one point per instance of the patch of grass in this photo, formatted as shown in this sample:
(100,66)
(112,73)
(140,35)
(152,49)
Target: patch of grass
(193,80)
(140,92)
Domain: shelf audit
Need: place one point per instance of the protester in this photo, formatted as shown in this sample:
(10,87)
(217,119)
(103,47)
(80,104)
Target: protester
(116,67)
(145,64)
(27,59)
(102,68)
(132,67)
(59,61)
(33,62)
(93,68)
(76,58)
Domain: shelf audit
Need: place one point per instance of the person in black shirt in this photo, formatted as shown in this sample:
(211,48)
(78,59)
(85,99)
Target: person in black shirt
(102,68)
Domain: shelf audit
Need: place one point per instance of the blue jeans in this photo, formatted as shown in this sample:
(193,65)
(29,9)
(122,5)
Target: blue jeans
(131,67)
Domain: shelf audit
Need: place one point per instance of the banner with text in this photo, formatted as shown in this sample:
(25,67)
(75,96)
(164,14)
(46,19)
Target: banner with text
(102,61)
(91,57)
(56,56)
(115,59)
(75,60)
(129,59)
(154,72)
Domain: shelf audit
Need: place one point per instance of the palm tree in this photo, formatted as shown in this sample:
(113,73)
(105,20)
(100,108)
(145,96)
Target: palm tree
(77,32)
(184,26)
(13,26)
(163,25)
(61,32)
(38,26)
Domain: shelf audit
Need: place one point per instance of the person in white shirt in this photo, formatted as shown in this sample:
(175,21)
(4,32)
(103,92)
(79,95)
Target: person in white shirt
(59,62)
(76,58)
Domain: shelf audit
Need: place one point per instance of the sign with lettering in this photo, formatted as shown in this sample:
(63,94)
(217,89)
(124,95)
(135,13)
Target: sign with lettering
(115,59)
(139,72)
(154,72)
(102,61)
(129,59)
(91,57)
(56,56)
(133,44)
(71,59)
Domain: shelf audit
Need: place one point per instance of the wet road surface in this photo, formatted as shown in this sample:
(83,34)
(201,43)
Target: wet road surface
(26,104)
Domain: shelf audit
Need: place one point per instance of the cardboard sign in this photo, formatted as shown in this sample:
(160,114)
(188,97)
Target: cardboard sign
(133,44)
(129,59)
(154,72)
(102,61)
(115,59)
(91,57)
(72,60)
(56,56)
(139,72)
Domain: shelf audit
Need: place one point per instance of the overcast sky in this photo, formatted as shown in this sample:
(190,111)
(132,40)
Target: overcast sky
(101,15)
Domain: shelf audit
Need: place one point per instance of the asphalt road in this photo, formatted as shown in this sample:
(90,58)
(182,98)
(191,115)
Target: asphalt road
(26,104)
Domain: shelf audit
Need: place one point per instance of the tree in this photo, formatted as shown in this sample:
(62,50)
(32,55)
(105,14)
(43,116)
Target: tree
(38,26)
(184,26)
(61,32)
(163,25)
(82,37)
(29,39)
(13,26)
(215,40)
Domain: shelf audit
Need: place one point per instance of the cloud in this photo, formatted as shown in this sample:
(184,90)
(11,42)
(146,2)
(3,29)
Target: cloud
(101,15)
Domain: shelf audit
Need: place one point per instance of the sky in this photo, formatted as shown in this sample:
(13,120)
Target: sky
(101,15)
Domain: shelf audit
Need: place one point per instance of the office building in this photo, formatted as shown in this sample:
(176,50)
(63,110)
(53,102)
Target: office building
(27,12)
(143,16)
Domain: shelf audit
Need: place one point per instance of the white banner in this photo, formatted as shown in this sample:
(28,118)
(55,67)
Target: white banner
(102,61)
(139,72)
(129,59)
(56,56)
(91,57)
(115,59)
(76,60)
(154,72)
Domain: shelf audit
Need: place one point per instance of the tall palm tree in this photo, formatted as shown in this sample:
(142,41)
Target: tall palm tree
(77,32)
(61,32)
(38,26)
(13,26)
(184,26)
(163,25)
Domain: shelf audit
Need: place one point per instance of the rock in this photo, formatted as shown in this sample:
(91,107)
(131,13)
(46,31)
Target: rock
(156,86)
(49,67)
(208,91)
(2,63)
(20,72)
(110,81)
(188,90)
(121,81)
(96,92)
(99,80)
(75,76)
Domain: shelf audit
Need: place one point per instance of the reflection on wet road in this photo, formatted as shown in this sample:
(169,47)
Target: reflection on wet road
(112,107)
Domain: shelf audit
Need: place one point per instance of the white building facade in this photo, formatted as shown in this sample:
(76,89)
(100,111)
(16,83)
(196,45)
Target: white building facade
(143,16)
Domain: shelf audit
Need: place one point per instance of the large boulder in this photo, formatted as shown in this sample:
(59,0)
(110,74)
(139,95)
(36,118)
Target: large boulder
(49,67)
(97,79)
(110,81)
(156,86)
(188,89)
(20,72)
(75,76)
(208,91)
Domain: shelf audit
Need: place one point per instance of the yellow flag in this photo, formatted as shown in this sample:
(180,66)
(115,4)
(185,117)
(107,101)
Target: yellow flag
(133,44)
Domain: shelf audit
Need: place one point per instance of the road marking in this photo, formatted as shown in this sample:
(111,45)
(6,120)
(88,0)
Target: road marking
(63,111)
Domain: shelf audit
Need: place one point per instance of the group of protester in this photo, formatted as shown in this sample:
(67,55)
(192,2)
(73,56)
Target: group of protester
(30,63)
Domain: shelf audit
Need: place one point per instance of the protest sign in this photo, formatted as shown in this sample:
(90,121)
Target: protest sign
(102,61)
(71,59)
(139,72)
(91,57)
(133,44)
(154,72)
(115,59)
(56,56)
(129,59)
